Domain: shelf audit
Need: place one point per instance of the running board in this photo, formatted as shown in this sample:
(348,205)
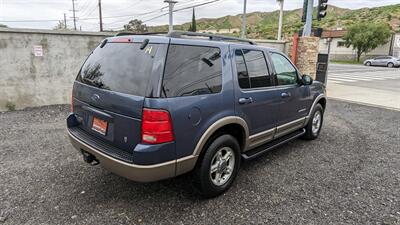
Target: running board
(251,154)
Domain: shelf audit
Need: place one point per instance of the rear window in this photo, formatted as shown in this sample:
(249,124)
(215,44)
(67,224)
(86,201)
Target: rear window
(192,70)
(120,67)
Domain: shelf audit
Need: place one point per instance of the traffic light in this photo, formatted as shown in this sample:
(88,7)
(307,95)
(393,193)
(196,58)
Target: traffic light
(322,7)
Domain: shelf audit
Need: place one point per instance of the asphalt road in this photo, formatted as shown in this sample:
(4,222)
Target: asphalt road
(381,78)
(350,175)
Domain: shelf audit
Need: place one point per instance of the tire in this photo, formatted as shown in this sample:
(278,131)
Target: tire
(205,180)
(390,65)
(312,132)
(368,63)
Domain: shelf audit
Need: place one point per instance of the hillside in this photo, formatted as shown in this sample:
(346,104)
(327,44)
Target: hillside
(265,24)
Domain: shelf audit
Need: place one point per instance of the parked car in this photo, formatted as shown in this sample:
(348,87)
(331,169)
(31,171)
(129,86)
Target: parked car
(155,107)
(388,61)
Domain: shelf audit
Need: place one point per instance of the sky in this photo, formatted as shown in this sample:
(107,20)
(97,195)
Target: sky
(44,14)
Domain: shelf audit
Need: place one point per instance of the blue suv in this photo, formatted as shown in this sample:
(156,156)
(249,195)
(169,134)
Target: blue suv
(151,107)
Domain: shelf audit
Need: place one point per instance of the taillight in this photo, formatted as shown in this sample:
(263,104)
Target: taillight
(156,126)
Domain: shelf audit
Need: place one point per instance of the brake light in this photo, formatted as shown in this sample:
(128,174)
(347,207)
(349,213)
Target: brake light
(156,126)
(121,40)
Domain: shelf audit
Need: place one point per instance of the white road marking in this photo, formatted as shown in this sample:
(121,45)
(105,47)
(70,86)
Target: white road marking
(363,75)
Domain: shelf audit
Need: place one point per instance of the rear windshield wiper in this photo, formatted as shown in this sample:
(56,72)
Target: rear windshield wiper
(95,82)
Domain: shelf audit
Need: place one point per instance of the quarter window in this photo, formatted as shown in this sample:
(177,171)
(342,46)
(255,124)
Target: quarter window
(252,69)
(192,70)
(286,74)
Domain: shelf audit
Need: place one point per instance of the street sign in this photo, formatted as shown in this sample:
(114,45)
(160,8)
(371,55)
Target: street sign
(38,50)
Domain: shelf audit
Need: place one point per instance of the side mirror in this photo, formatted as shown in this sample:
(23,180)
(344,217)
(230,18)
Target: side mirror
(306,80)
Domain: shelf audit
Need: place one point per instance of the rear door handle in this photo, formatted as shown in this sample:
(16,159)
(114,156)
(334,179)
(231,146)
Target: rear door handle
(245,100)
(286,95)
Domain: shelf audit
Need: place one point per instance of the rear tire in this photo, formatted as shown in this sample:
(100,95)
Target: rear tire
(314,125)
(390,65)
(219,166)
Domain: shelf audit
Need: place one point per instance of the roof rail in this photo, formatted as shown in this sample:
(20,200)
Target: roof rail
(133,33)
(179,34)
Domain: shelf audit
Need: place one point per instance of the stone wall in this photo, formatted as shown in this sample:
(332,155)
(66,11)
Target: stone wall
(307,54)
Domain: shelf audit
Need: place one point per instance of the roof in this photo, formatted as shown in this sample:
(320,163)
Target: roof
(333,33)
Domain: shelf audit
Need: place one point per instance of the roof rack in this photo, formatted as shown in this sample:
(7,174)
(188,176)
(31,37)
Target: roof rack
(179,34)
(133,33)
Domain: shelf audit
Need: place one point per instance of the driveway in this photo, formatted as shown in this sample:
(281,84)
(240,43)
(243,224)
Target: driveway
(350,175)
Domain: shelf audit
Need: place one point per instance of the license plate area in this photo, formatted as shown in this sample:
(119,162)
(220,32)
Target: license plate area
(100,126)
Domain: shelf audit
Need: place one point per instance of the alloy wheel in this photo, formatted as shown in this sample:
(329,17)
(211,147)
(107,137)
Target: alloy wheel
(222,166)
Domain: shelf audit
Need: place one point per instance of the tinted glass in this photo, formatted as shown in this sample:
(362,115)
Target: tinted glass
(243,76)
(252,69)
(286,74)
(192,70)
(120,67)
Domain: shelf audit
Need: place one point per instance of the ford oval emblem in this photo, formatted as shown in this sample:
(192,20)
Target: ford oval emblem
(95,97)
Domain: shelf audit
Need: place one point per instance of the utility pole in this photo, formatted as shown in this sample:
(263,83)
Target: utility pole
(280,19)
(171,4)
(73,13)
(65,21)
(244,20)
(308,24)
(100,17)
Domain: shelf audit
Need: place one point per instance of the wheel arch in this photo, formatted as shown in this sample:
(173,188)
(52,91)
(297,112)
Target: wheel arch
(232,125)
(187,163)
(321,99)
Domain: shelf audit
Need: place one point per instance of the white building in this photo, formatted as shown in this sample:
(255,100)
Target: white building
(338,50)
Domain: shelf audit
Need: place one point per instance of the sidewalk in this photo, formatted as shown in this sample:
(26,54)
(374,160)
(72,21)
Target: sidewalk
(368,96)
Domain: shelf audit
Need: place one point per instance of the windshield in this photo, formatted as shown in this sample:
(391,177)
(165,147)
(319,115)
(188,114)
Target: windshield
(120,67)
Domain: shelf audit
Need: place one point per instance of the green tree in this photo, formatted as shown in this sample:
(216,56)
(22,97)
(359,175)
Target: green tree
(60,26)
(136,25)
(193,26)
(364,37)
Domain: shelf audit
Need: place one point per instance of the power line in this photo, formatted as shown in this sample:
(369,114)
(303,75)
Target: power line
(176,10)
(118,16)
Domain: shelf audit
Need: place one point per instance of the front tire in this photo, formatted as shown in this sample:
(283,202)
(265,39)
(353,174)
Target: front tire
(219,166)
(390,65)
(368,63)
(314,125)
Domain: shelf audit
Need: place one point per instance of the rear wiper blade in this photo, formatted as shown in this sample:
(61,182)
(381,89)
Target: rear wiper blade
(95,82)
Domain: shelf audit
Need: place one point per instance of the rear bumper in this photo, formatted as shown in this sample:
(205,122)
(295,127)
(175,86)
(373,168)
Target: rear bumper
(139,173)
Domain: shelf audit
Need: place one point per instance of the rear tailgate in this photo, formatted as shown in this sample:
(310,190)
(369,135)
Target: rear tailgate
(110,89)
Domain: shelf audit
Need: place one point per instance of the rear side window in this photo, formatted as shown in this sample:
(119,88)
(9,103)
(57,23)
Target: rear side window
(252,69)
(192,70)
(120,67)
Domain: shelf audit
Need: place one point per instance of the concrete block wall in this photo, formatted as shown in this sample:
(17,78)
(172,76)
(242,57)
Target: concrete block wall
(279,45)
(27,80)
